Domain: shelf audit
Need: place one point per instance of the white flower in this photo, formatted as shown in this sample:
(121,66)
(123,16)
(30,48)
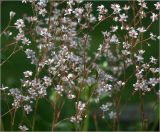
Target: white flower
(42,12)
(152,36)
(123,17)
(106,107)
(27,108)
(114,39)
(100,17)
(112,115)
(47,81)
(114,28)
(68,11)
(116,8)
(157,5)
(143,4)
(153,82)
(23,128)
(76,118)
(101,9)
(30,53)
(27,74)
(19,24)
(12,14)
(26,41)
(78,11)
(20,36)
(141,29)
(154,17)
(24,1)
(3,88)
(81,105)
(116,19)
(70,95)
(153,60)
(44,32)
(59,89)
(133,33)
(141,52)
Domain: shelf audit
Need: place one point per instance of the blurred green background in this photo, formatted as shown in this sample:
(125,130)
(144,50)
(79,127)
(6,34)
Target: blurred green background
(12,72)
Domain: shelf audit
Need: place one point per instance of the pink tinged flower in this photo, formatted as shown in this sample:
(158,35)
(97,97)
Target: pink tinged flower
(114,28)
(116,8)
(114,39)
(154,17)
(42,12)
(26,41)
(123,17)
(157,5)
(102,9)
(70,95)
(81,106)
(20,36)
(19,24)
(68,11)
(133,33)
(44,32)
(143,4)
(141,29)
(78,11)
(100,17)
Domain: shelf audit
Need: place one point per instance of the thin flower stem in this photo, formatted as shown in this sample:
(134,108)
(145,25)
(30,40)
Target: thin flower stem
(14,52)
(34,117)
(6,27)
(13,120)
(7,112)
(142,111)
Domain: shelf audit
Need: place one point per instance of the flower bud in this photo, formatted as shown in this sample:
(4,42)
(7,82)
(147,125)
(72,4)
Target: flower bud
(12,14)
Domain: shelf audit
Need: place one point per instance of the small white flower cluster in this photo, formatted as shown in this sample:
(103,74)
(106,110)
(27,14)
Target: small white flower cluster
(23,128)
(144,83)
(102,12)
(31,55)
(21,35)
(80,106)
(106,108)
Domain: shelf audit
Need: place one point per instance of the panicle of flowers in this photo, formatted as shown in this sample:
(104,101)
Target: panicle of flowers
(62,54)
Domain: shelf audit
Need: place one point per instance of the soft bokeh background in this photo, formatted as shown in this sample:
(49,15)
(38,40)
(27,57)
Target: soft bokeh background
(12,72)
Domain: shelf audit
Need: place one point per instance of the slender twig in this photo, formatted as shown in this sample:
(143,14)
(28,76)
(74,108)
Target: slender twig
(34,117)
